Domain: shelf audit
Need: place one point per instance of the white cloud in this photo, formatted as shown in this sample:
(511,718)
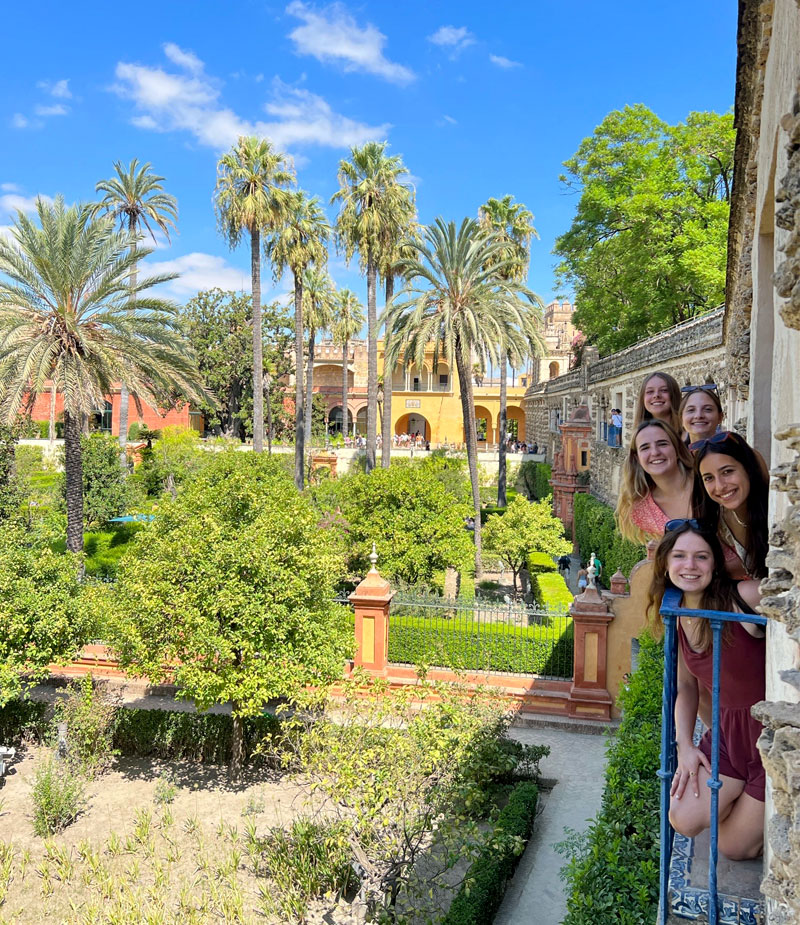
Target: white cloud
(19,121)
(500,61)
(12,201)
(455,38)
(199,271)
(191,102)
(57,109)
(9,187)
(187,60)
(332,35)
(58,88)
(450,120)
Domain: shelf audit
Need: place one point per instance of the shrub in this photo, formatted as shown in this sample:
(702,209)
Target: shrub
(90,727)
(58,796)
(534,479)
(539,562)
(106,491)
(612,871)
(479,646)
(21,720)
(485,883)
(596,532)
(166,789)
(551,591)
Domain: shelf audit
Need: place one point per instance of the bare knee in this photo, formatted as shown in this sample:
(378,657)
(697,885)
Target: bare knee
(686,820)
(735,848)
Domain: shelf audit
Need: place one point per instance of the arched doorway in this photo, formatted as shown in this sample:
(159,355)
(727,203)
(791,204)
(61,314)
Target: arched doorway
(361,421)
(515,423)
(553,369)
(335,421)
(483,424)
(410,424)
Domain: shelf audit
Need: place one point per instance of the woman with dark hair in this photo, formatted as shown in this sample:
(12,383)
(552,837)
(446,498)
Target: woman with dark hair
(657,482)
(700,411)
(690,558)
(659,399)
(733,494)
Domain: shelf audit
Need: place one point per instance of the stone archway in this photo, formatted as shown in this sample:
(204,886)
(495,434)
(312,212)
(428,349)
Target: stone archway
(412,423)
(335,421)
(483,424)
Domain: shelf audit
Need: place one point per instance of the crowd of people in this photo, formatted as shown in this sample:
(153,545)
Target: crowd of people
(700,493)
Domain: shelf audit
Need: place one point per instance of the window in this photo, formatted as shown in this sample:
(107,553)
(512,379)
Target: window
(443,377)
(102,418)
(584,458)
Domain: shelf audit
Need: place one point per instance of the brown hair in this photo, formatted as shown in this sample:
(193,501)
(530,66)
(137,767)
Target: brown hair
(709,393)
(637,484)
(721,593)
(642,414)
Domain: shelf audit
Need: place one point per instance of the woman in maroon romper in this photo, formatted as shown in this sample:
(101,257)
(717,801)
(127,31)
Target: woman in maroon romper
(690,558)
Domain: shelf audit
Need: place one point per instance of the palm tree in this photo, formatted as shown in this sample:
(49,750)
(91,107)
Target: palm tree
(348,320)
(369,193)
(512,224)
(457,299)
(249,197)
(318,299)
(67,317)
(298,242)
(136,199)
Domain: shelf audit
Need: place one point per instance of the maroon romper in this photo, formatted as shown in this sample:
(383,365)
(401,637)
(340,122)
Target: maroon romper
(741,684)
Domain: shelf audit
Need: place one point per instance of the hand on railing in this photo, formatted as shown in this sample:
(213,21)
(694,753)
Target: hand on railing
(690,758)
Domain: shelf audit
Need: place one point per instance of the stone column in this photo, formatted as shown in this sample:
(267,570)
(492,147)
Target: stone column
(370,602)
(589,696)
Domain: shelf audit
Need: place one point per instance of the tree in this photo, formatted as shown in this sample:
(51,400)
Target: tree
(10,493)
(219,328)
(415,522)
(246,611)
(512,223)
(44,615)
(299,242)
(648,244)
(525,527)
(348,320)
(370,193)
(249,198)
(318,299)
(457,299)
(66,315)
(136,199)
(106,492)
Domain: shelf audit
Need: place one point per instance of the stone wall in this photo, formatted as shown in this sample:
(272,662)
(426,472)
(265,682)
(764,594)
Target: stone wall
(691,352)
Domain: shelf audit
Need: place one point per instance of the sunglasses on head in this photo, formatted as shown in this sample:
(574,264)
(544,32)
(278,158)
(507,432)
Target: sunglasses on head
(682,521)
(721,437)
(705,387)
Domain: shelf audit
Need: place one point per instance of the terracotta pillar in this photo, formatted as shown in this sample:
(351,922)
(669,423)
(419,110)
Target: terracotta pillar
(370,602)
(589,696)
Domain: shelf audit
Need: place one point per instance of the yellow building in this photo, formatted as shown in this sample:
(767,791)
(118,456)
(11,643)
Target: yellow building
(424,402)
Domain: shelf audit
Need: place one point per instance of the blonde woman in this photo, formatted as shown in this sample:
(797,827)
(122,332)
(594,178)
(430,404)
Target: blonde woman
(657,482)
(659,399)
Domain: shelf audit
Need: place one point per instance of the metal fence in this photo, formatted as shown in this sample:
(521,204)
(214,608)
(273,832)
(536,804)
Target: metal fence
(480,636)
(708,904)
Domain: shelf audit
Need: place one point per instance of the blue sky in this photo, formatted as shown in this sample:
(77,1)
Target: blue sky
(480,98)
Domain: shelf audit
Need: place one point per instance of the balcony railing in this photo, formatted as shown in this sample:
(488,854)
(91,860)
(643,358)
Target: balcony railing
(670,611)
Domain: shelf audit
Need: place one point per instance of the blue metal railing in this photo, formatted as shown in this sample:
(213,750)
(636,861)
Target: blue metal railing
(670,611)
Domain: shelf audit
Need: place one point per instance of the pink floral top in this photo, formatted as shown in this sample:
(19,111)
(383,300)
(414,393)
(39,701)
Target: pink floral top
(648,516)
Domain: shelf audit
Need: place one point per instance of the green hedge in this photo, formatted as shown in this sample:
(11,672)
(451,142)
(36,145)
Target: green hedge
(550,590)
(612,872)
(534,479)
(485,883)
(539,562)
(148,733)
(596,532)
(544,649)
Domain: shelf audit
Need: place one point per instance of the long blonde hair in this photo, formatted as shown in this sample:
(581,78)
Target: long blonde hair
(642,414)
(637,484)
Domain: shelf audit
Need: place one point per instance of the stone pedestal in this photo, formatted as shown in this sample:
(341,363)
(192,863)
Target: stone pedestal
(589,696)
(324,460)
(370,602)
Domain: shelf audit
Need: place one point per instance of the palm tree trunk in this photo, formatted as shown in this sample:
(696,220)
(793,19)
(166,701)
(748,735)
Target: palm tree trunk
(299,416)
(267,386)
(51,430)
(345,350)
(124,395)
(73,470)
(312,334)
(372,365)
(501,468)
(258,348)
(471,439)
(388,375)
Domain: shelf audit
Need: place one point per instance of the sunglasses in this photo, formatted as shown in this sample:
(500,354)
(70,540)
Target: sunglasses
(721,437)
(706,387)
(682,521)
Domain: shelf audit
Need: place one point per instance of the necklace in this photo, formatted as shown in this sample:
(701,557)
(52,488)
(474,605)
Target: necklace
(738,521)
